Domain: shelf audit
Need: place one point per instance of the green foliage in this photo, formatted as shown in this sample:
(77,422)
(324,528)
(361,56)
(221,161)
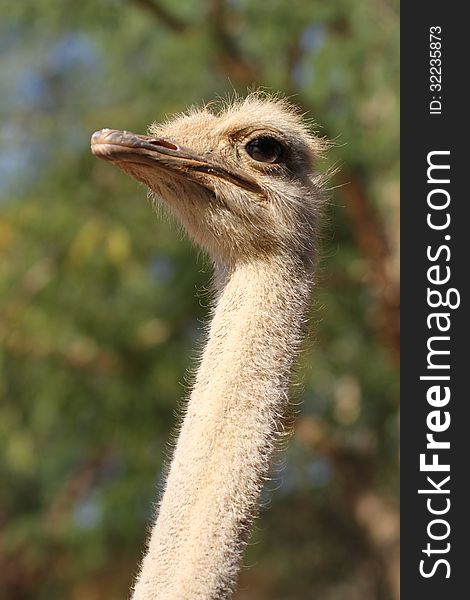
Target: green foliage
(102,300)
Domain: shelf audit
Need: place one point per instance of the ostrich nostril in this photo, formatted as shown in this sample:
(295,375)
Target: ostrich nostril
(162,143)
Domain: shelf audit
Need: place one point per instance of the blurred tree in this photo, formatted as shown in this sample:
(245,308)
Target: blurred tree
(100,305)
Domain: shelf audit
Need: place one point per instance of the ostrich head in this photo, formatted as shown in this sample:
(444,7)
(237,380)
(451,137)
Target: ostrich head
(238,178)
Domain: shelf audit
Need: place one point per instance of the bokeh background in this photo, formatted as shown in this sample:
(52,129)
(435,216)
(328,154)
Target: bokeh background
(102,301)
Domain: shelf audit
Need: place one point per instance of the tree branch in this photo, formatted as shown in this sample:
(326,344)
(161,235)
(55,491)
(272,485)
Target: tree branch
(372,243)
(375,515)
(162,15)
(231,61)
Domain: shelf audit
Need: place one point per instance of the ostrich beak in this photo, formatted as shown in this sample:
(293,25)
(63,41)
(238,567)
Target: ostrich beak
(126,148)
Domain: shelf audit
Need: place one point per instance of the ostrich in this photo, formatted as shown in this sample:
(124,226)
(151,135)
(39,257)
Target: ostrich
(239,179)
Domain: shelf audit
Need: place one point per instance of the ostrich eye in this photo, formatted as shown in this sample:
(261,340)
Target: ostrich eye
(265,149)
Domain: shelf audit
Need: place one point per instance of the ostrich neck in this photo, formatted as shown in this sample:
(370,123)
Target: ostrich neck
(232,420)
